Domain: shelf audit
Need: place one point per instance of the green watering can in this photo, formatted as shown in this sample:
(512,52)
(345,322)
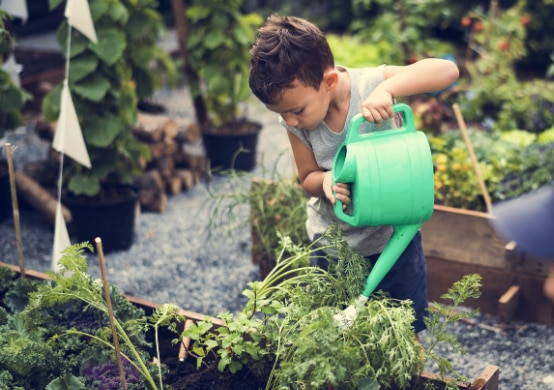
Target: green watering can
(390,173)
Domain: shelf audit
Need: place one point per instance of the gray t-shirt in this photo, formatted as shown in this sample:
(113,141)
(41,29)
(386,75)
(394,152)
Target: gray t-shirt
(324,143)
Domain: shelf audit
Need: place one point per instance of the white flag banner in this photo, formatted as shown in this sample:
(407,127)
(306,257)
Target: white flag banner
(13,69)
(78,15)
(16,8)
(69,138)
(61,238)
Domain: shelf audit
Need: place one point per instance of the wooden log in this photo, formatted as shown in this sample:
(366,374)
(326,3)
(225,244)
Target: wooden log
(163,148)
(39,198)
(194,158)
(170,147)
(173,184)
(44,172)
(508,303)
(187,177)
(166,167)
(154,128)
(156,150)
(152,191)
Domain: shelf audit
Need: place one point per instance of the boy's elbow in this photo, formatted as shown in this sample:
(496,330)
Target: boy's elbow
(453,72)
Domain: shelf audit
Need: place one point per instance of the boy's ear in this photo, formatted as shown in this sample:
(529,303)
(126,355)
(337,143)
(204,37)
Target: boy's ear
(330,79)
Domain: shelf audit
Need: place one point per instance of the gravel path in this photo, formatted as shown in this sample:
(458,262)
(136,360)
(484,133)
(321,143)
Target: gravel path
(174,260)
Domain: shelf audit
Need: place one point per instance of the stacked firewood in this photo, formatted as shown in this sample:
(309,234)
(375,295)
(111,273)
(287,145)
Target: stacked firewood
(175,165)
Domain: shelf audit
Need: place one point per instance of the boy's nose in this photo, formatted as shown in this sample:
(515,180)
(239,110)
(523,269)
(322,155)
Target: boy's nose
(291,121)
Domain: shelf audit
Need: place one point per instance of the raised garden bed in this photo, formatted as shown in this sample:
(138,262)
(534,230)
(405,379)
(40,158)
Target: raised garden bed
(183,374)
(458,242)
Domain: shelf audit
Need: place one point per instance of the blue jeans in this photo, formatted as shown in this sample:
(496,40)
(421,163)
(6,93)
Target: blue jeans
(407,279)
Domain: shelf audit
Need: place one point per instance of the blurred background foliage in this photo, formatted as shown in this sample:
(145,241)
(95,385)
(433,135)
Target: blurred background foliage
(506,89)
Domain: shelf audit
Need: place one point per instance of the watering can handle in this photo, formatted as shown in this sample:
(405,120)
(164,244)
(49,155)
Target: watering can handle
(407,125)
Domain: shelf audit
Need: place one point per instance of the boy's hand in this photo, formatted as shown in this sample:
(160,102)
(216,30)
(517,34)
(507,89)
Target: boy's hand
(341,191)
(378,106)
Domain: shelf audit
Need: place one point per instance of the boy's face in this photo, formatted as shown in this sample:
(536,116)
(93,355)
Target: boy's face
(301,106)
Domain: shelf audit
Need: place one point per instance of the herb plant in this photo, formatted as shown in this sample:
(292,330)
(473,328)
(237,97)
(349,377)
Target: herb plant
(277,206)
(62,323)
(443,314)
(288,323)
(511,163)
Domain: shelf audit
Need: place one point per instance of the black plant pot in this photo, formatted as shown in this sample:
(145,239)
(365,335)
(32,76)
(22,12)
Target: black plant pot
(227,151)
(113,220)
(5,196)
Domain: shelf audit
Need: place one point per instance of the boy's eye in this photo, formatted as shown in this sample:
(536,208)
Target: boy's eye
(298,112)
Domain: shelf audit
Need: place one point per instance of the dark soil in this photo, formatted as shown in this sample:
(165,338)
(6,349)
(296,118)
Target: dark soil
(185,375)
(241,126)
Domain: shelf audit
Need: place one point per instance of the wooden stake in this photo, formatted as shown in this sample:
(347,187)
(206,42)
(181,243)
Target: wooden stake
(100,251)
(15,208)
(462,125)
(185,342)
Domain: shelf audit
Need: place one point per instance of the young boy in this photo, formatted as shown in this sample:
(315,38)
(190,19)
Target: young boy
(294,74)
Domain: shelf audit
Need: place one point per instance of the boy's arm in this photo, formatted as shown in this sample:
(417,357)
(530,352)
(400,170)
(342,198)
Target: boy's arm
(427,75)
(315,181)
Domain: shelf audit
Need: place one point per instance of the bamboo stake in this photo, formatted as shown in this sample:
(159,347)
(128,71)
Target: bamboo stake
(185,342)
(15,208)
(100,251)
(462,125)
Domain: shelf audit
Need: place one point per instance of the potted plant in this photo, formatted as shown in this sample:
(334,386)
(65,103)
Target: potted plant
(215,40)
(103,79)
(12,100)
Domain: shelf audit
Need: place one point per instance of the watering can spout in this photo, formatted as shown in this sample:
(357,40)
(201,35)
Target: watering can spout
(399,241)
(397,244)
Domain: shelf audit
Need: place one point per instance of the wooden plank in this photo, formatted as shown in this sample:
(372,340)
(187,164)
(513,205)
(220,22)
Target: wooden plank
(463,235)
(518,261)
(146,305)
(508,304)
(487,380)
(437,382)
(150,306)
(533,305)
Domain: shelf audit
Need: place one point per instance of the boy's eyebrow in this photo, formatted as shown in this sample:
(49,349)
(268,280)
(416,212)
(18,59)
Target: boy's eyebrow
(294,109)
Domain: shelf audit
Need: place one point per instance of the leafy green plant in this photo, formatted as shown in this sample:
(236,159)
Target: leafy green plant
(494,91)
(288,322)
(151,66)
(443,314)
(511,164)
(105,80)
(73,283)
(12,97)
(218,60)
(352,51)
(277,206)
(402,28)
(53,327)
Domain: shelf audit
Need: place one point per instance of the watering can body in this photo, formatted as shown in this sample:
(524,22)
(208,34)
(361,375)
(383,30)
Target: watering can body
(390,174)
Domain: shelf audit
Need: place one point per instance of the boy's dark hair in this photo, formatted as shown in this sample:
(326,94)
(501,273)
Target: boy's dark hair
(287,48)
